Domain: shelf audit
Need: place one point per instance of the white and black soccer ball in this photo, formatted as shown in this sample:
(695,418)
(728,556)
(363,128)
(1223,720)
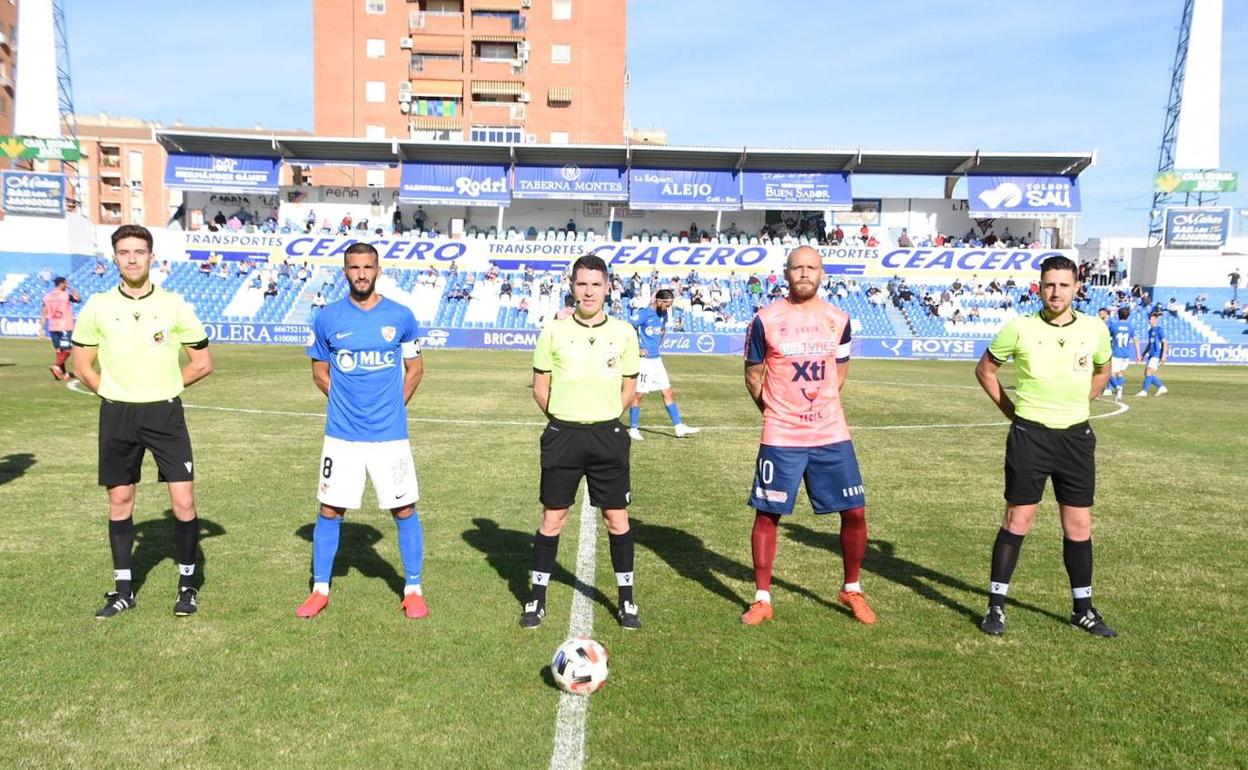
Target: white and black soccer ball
(580,666)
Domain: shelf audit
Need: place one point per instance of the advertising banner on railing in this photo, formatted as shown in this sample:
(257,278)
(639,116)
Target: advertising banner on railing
(25,193)
(455,184)
(1197,228)
(436,337)
(1022,196)
(570,182)
(219,173)
(790,190)
(684,189)
(921,265)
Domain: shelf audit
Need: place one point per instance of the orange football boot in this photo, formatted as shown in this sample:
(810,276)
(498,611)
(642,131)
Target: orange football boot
(313,605)
(857,603)
(414,606)
(757,613)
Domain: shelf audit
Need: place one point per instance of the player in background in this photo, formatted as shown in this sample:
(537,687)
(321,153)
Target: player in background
(651,325)
(1125,348)
(1062,362)
(796,361)
(56,320)
(1156,351)
(584,374)
(366,359)
(137,331)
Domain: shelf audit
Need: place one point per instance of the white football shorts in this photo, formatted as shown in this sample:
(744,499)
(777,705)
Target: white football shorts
(344,465)
(1154,363)
(652,376)
(1119,365)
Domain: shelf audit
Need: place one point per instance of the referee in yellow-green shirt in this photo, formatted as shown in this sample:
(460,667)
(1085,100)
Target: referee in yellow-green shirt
(1061,360)
(584,375)
(136,332)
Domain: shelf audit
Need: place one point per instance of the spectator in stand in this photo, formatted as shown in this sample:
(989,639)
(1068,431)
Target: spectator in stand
(1199,305)
(1231,308)
(270,290)
(303,273)
(234,224)
(569,307)
(991,239)
(219,220)
(1173,307)
(1234,276)
(99,268)
(344,226)
(505,289)
(838,236)
(396,221)
(571,226)
(205,266)
(903,240)
(310,220)
(318,302)
(864,233)
(418,219)
(223,270)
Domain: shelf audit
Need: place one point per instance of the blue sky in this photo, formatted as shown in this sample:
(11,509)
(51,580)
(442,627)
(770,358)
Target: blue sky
(897,74)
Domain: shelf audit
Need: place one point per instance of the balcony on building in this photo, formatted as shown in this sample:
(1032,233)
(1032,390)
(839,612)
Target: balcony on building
(498,17)
(110,213)
(437,65)
(437,17)
(499,102)
(559,96)
(496,58)
(110,156)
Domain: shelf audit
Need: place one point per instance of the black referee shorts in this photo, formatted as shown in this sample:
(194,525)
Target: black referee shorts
(126,430)
(598,451)
(1035,453)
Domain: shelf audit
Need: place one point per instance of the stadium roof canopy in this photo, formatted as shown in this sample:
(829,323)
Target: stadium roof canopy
(318,150)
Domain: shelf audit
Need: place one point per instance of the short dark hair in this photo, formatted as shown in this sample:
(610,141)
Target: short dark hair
(132,231)
(664,294)
(589,262)
(1124,313)
(1104,310)
(1058,262)
(59,281)
(359,247)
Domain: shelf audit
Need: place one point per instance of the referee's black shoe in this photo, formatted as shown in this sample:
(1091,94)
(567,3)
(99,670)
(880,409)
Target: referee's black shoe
(1091,621)
(115,604)
(533,613)
(628,616)
(993,623)
(187,603)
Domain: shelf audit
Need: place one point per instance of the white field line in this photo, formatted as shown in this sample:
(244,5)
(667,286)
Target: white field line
(573,712)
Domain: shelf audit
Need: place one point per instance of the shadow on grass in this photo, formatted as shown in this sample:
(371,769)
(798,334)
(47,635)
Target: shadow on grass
(14,466)
(356,549)
(510,553)
(153,543)
(692,560)
(882,560)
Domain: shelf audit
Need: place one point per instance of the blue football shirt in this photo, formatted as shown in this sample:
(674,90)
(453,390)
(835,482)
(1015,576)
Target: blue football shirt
(1156,336)
(649,323)
(365,350)
(1120,339)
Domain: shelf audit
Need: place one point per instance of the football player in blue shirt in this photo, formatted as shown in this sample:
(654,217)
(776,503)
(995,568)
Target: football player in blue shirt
(651,325)
(366,358)
(1156,351)
(1121,338)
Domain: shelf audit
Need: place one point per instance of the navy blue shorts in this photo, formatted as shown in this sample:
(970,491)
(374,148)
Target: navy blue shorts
(60,340)
(833,481)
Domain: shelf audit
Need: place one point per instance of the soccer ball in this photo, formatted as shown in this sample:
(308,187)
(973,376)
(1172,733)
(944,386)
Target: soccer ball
(580,666)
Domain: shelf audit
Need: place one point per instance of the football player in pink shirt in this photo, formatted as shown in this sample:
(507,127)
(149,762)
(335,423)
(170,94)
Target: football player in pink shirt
(57,321)
(796,359)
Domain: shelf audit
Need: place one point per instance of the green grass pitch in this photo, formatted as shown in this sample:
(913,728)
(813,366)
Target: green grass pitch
(246,684)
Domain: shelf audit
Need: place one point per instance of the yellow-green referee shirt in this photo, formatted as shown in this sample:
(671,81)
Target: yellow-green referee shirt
(139,341)
(586,365)
(1054,365)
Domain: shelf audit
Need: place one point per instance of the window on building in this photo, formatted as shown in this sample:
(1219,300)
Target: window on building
(516,20)
(561,10)
(134,166)
(559,137)
(374,132)
(561,54)
(375,177)
(374,91)
(442,6)
(422,61)
(375,6)
(497,134)
(136,214)
(374,48)
(495,51)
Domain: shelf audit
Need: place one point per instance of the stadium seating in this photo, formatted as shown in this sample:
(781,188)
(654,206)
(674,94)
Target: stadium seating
(236,298)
